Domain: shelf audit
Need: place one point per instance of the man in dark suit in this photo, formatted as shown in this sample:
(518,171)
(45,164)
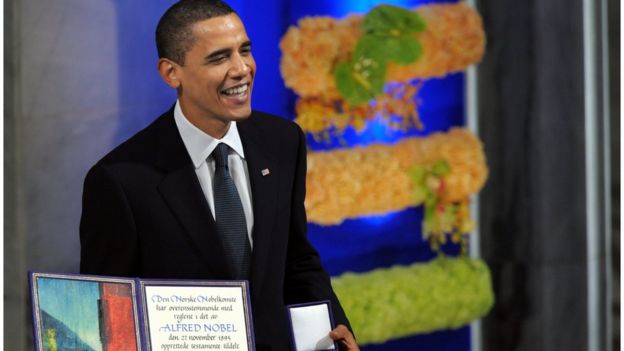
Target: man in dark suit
(149,206)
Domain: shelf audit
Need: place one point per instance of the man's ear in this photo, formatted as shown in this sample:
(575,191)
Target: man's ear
(169,72)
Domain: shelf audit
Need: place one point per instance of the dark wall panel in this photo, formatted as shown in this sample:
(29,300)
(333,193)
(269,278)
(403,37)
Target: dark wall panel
(532,209)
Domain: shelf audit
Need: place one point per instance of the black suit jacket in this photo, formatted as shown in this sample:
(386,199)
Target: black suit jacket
(144,215)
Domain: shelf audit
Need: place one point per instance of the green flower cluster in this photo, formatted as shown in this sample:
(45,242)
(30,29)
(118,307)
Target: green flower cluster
(386,304)
(441,219)
(388,36)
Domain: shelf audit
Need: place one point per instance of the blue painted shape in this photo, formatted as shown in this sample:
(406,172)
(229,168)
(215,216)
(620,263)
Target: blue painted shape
(343,8)
(75,304)
(265,27)
(363,244)
(440,107)
(143,95)
(443,340)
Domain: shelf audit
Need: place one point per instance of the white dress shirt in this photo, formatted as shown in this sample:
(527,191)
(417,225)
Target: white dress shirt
(200,145)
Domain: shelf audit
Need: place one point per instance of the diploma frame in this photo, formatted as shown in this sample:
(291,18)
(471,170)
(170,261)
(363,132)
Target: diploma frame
(77,311)
(241,285)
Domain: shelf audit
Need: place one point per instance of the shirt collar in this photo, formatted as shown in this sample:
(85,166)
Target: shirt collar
(200,145)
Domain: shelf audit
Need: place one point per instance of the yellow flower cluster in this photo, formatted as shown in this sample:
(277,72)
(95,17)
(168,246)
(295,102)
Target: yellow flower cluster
(397,105)
(454,39)
(360,181)
(452,220)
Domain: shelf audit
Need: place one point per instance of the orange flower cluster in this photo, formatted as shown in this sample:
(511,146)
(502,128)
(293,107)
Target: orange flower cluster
(454,39)
(310,51)
(397,105)
(350,183)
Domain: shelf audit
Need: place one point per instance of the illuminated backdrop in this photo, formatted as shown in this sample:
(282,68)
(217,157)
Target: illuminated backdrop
(357,245)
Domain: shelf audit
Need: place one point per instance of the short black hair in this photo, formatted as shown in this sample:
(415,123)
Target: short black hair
(174,33)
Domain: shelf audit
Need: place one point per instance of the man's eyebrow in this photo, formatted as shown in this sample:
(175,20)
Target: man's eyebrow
(226,51)
(217,53)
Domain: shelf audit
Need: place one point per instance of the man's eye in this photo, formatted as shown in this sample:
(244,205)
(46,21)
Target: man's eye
(218,59)
(245,50)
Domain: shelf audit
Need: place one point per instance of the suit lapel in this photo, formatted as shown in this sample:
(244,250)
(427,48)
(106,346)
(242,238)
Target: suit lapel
(182,192)
(264,180)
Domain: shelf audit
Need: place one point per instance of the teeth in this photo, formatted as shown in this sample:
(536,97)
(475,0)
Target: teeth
(237,90)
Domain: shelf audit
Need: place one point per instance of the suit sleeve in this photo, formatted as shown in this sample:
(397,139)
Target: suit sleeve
(108,239)
(306,280)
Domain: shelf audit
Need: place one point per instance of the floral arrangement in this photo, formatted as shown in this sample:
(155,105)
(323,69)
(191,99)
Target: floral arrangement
(350,71)
(396,104)
(388,37)
(322,52)
(376,179)
(442,218)
(452,40)
(391,303)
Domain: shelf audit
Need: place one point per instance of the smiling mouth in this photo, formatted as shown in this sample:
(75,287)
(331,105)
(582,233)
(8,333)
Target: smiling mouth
(240,90)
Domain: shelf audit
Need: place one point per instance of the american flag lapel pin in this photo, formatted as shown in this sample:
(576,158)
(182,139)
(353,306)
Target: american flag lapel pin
(265,172)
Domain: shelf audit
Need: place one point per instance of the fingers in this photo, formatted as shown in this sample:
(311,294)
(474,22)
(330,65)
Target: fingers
(343,335)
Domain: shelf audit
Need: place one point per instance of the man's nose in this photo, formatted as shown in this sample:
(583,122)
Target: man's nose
(239,66)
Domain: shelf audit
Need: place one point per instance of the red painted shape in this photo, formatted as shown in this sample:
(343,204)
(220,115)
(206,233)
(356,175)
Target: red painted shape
(118,317)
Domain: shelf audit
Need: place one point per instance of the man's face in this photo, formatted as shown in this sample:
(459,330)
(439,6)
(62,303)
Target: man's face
(217,76)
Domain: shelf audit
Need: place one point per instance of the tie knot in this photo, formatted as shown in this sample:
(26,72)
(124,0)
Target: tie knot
(220,155)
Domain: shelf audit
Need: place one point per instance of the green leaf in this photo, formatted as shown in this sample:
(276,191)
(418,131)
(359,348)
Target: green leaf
(441,168)
(389,33)
(418,175)
(369,46)
(447,218)
(428,225)
(390,20)
(403,49)
(419,195)
(362,79)
(431,202)
(353,91)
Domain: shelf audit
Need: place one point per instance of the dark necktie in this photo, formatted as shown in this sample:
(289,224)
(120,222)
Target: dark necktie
(229,216)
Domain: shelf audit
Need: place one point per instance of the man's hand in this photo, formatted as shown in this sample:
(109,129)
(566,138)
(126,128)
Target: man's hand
(343,336)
